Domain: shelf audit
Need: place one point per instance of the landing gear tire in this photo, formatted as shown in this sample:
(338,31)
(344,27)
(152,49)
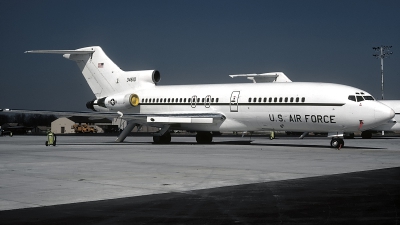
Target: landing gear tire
(204,137)
(366,134)
(337,143)
(163,139)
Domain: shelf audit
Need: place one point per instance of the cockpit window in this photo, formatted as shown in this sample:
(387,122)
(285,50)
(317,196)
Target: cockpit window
(369,98)
(352,98)
(360,98)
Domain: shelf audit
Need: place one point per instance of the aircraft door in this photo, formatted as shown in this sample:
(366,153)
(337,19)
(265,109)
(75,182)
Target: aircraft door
(208,101)
(234,101)
(194,101)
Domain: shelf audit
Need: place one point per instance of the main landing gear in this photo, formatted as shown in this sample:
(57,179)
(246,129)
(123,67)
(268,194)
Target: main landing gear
(366,134)
(337,143)
(163,139)
(204,137)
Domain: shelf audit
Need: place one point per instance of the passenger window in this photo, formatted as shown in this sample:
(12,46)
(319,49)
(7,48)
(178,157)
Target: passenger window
(265,99)
(352,98)
(359,98)
(297,99)
(217,99)
(286,99)
(259,99)
(291,99)
(184,100)
(249,99)
(254,99)
(212,100)
(169,100)
(198,99)
(275,99)
(172,99)
(202,100)
(280,99)
(303,99)
(270,99)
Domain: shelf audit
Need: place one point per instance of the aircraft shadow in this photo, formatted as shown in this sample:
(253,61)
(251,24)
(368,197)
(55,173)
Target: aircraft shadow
(313,146)
(249,142)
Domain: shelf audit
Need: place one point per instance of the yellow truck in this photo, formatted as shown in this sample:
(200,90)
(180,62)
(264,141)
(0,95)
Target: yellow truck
(83,128)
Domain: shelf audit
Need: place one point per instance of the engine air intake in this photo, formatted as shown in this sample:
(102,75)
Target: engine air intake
(134,100)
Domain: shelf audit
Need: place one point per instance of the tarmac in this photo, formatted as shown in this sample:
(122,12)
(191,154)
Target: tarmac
(235,180)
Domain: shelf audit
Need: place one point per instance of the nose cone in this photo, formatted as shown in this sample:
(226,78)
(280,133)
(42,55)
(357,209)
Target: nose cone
(383,114)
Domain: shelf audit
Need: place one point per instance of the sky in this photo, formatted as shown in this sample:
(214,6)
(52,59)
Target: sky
(195,42)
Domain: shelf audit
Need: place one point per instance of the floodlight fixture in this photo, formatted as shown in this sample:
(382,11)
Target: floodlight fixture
(383,52)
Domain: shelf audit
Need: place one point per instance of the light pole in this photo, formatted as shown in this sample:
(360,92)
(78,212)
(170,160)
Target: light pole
(383,52)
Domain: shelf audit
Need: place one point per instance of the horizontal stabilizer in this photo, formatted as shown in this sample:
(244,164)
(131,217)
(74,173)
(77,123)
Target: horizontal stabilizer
(61,51)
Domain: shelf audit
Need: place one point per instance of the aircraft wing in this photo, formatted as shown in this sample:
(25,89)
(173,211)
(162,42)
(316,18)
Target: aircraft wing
(272,77)
(156,118)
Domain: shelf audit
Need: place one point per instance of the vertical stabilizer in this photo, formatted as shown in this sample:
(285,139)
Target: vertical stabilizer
(104,77)
(100,72)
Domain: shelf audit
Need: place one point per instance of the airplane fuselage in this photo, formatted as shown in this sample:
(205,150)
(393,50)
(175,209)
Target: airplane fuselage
(265,106)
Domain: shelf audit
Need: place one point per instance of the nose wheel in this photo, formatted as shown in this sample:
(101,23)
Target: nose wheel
(337,143)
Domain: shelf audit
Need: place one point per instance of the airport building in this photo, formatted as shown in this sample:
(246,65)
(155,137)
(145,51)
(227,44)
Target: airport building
(80,124)
(69,125)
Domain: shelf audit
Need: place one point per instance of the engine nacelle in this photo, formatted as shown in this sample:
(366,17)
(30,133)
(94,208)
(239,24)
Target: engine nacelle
(117,102)
(121,101)
(144,76)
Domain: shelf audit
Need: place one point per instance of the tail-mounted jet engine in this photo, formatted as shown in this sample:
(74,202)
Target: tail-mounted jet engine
(117,102)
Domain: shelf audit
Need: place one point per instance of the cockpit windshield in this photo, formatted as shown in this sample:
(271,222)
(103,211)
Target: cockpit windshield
(359,97)
(369,98)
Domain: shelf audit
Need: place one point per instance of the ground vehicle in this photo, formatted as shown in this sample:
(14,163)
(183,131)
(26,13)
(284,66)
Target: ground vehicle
(83,128)
(51,139)
(5,132)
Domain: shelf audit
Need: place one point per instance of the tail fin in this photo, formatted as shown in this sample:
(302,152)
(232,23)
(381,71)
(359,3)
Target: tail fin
(104,77)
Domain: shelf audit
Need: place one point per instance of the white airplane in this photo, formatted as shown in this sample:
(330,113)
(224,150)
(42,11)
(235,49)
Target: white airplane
(390,125)
(245,107)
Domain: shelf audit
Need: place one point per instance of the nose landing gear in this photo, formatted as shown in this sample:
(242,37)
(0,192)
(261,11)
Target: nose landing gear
(337,143)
